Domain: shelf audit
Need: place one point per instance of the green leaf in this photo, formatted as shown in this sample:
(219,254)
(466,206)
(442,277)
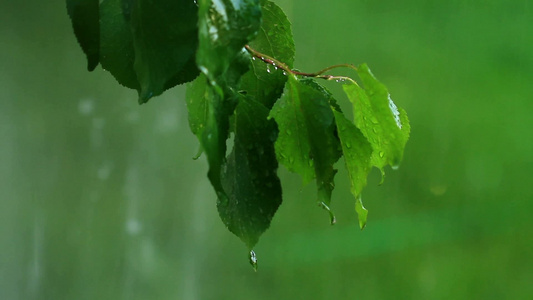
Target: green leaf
(357,154)
(225,26)
(274,39)
(149,46)
(209,121)
(384,125)
(307,144)
(84,15)
(165,39)
(117,54)
(249,176)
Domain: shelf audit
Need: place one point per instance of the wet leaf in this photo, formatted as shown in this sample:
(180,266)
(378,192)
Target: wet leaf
(357,154)
(384,125)
(307,144)
(263,81)
(224,28)
(250,174)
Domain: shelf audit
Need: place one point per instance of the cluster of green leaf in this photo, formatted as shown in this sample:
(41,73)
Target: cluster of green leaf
(240,54)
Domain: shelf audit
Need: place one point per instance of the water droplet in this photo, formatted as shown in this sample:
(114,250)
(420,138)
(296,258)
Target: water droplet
(253,260)
(253,57)
(348,145)
(332,217)
(395,167)
(268,69)
(381,154)
(284,73)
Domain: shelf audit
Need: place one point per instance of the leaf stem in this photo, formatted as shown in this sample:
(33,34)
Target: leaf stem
(320,74)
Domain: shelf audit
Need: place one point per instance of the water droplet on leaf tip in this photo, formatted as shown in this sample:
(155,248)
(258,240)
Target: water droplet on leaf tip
(253,260)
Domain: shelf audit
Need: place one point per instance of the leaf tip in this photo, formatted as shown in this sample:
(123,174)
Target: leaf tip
(362,213)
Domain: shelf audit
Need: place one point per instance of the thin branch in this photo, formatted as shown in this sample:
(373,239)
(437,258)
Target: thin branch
(278,64)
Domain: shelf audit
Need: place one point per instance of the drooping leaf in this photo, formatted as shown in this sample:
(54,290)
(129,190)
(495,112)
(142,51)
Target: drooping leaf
(209,121)
(149,46)
(263,81)
(357,155)
(306,143)
(384,125)
(165,39)
(224,28)
(117,53)
(249,177)
(85,18)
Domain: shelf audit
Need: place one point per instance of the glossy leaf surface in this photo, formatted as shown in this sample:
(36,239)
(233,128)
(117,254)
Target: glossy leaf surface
(266,82)
(357,154)
(307,144)
(384,125)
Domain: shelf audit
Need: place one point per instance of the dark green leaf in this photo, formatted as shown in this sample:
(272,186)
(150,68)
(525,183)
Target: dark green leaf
(225,26)
(357,154)
(307,144)
(165,39)
(117,54)
(249,176)
(384,125)
(84,15)
(263,81)
(149,46)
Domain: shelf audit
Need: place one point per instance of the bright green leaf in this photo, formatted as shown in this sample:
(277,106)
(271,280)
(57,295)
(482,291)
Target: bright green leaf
(84,15)
(357,154)
(307,144)
(384,125)
(263,81)
(249,177)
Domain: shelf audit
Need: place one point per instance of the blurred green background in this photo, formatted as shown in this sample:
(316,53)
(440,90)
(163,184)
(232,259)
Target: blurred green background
(100,197)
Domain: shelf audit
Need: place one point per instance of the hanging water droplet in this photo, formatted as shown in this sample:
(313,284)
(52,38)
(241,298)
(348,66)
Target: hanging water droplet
(381,154)
(284,73)
(253,57)
(395,167)
(268,68)
(253,260)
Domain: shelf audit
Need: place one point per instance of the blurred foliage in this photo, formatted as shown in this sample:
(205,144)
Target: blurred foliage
(99,197)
